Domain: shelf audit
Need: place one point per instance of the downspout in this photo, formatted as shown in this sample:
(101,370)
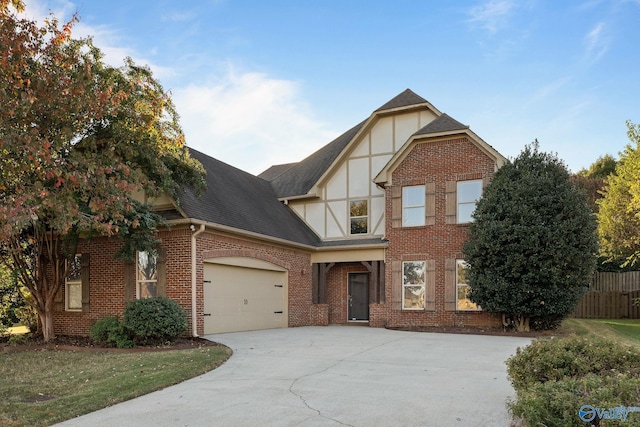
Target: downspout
(194,284)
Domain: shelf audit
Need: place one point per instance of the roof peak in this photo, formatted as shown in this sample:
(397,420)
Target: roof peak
(403,99)
(443,123)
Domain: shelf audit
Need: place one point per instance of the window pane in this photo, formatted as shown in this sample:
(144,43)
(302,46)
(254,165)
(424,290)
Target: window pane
(414,272)
(74,270)
(358,225)
(413,297)
(462,272)
(74,296)
(359,208)
(469,191)
(413,216)
(465,211)
(413,196)
(147,266)
(464,303)
(148,289)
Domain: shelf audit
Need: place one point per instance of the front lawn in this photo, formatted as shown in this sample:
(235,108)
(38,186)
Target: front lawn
(43,387)
(626,331)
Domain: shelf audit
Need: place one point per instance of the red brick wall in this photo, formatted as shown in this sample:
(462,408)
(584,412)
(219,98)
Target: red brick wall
(447,160)
(441,161)
(107,276)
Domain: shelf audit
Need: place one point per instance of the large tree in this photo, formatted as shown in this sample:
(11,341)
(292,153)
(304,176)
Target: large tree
(532,245)
(592,180)
(78,140)
(619,213)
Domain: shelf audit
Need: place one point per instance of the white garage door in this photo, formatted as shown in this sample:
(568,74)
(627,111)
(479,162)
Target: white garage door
(239,298)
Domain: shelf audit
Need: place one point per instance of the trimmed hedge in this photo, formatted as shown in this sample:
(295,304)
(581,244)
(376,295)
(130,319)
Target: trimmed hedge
(154,320)
(110,332)
(556,403)
(554,378)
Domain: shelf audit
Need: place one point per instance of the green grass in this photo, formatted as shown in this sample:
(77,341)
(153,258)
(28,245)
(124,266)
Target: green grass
(43,387)
(622,330)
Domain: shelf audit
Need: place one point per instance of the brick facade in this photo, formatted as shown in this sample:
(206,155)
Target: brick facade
(434,162)
(438,162)
(107,277)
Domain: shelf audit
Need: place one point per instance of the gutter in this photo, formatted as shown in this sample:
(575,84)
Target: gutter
(194,284)
(237,231)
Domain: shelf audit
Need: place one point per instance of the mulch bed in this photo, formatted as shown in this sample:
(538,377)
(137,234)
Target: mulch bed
(78,343)
(479,331)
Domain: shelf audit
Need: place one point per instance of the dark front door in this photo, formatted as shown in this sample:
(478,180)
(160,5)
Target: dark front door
(358,297)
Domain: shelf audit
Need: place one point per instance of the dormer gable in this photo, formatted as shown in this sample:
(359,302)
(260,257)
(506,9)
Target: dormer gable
(442,127)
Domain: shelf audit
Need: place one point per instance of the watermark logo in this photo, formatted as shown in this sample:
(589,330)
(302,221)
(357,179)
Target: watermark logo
(588,413)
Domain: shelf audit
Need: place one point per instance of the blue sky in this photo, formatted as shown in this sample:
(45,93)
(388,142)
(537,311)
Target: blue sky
(266,82)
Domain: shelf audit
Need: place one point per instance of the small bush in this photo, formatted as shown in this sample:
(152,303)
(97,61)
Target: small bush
(154,320)
(557,403)
(110,332)
(19,339)
(573,357)
(28,316)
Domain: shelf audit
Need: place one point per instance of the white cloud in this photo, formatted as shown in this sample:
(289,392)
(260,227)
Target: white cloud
(249,120)
(597,42)
(491,15)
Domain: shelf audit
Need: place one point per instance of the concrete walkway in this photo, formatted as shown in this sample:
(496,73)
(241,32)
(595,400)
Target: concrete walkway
(335,376)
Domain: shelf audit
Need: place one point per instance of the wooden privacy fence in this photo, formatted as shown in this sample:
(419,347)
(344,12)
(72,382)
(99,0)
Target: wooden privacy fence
(611,296)
(622,282)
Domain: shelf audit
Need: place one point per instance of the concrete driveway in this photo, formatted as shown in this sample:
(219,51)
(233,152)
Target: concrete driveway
(335,376)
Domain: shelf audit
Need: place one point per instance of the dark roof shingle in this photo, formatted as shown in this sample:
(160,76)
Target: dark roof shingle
(443,123)
(404,99)
(275,171)
(237,199)
(299,178)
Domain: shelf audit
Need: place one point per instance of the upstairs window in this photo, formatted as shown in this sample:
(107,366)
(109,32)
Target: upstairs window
(359,217)
(413,206)
(147,276)
(468,194)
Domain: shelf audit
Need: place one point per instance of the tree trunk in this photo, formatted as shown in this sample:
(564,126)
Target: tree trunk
(46,322)
(522,323)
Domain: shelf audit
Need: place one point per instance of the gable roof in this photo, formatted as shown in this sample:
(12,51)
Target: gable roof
(300,178)
(404,99)
(441,126)
(275,170)
(237,199)
(444,123)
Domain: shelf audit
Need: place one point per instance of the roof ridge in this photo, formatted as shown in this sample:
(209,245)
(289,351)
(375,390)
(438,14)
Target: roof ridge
(403,99)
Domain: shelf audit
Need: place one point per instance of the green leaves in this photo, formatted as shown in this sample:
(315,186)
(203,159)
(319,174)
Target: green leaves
(619,210)
(532,245)
(81,143)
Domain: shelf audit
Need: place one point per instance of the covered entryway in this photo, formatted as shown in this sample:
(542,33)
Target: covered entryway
(358,296)
(244,294)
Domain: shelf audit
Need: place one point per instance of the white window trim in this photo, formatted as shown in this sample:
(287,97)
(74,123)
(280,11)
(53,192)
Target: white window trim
(366,217)
(459,285)
(465,202)
(141,281)
(68,283)
(407,206)
(424,287)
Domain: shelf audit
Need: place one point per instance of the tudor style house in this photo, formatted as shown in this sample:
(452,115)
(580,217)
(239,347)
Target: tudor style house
(369,229)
